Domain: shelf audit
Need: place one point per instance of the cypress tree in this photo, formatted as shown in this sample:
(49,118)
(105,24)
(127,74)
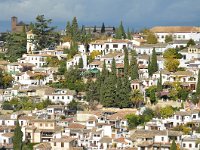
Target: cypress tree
(126,62)
(134,72)
(75,30)
(120,33)
(154,64)
(17,138)
(173,145)
(119,94)
(95,29)
(133,66)
(80,63)
(149,67)
(129,34)
(159,83)
(113,69)
(68,29)
(104,73)
(152,96)
(198,85)
(108,92)
(103,28)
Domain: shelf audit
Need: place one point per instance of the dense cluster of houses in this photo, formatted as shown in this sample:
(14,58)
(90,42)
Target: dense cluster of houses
(55,128)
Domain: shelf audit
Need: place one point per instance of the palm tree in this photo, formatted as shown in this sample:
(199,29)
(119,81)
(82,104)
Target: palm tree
(137,98)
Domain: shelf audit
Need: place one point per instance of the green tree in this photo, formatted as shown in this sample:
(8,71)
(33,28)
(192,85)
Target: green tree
(126,62)
(159,83)
(80,63)
(152,97)
(151,38)
(198,84)
(171,56)
(75,30)
(191,42)
(167,111)
(68,30)
(137,98)
(44,34)
(15,45)
(17,138)
(168,38)
(171,64)
(149,67)
(154,64)
(133,67)
(133,121)
(173,145)
(120,33)
(113,70)
(129,36)
(103,28)
(95,29)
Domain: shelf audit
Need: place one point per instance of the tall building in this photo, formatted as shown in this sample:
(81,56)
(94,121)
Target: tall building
(18,27)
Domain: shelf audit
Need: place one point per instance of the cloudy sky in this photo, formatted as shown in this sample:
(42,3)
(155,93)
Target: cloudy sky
(135,14)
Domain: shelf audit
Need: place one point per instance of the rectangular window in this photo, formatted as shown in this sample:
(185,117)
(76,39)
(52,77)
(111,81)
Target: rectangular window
(62,144)
(115,45)
(190,145)
(162,138)
(54,143)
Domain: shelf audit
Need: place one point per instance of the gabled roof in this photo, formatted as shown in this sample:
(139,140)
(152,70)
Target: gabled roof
(175,29)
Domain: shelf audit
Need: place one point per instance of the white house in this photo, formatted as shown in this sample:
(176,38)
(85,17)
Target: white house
(177,32)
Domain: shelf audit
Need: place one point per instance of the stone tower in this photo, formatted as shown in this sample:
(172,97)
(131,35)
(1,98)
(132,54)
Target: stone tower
(14,23)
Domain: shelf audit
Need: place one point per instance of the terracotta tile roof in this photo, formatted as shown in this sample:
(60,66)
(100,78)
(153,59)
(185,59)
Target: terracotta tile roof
(120,140)
(119,65)
(64,139)
(112,55)
(145,144)
(8,134)
(105,139)
(43,146)
(76,126)
(175,29)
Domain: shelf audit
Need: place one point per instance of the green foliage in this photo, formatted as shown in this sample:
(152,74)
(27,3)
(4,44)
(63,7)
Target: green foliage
(126,62)
(17,138)
(172,53)
(44,34)
(168,38)
(129,36)
(62,68)
(80,64)
(173,145)
(184,129)
(24,103)
(149,67)
(135,120)
(154,64)
(137,98)
(159,83)
(152,97)
(133,66)
(151,38)
(53,61)
(103,28)
(120,33)
(73,80)
(167,111)
(191,43)
(15,45)
(92,91)
(198,85)
(183,94)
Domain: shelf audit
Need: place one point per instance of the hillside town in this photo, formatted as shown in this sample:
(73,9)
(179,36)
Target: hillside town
(99,87)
